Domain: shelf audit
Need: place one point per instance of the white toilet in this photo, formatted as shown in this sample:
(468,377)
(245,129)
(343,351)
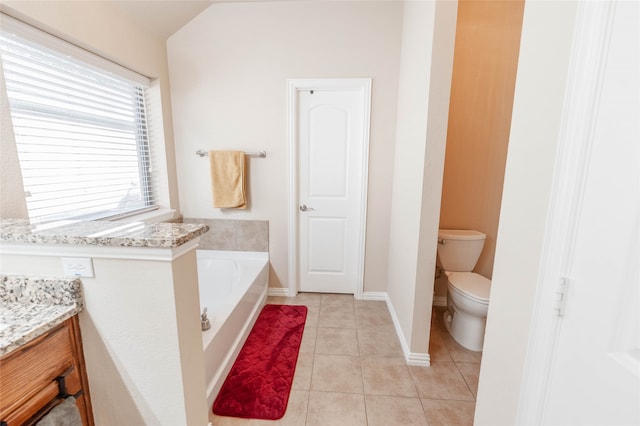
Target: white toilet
(468,292)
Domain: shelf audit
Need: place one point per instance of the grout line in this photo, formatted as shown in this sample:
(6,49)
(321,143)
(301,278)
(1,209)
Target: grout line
(424,411)
(465,380)
(364,398)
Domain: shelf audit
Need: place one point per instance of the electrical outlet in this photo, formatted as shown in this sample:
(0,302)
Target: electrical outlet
(77,266)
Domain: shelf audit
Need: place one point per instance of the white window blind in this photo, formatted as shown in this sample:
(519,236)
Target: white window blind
(81,134)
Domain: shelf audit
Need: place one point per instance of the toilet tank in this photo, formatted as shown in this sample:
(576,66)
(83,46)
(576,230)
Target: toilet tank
(459,250)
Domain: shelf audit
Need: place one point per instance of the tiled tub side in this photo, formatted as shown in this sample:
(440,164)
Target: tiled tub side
(234,235)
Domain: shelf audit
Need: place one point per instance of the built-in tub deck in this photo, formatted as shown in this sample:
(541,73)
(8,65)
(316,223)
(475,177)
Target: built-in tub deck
(233,287)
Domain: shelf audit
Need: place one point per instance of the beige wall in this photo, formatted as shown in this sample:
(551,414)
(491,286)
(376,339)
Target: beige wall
(484,72)
(545,53)
(425,68)
(102,28)
(229,67)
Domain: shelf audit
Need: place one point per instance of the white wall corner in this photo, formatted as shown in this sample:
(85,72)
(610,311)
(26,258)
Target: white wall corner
(412,358)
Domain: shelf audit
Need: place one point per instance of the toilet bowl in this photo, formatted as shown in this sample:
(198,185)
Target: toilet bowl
(467,292)
(468,304)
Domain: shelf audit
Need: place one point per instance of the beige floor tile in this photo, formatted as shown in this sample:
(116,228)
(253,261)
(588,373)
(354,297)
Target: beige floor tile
(379,342)
(336,409)
(441,380)
(309,336)
(438,350)
(370,318)
(337,341)
(228,421)
(304,369)
(387,376)
(373,305)
(216,420)
(296,413)
(459,353)
(313,314)
(307,299)
(336,373)
(336,317)
(449,413)
(277,300)
(471,374)
(294,416)
(394,411)
(285,300)
(437,319)
(342,301)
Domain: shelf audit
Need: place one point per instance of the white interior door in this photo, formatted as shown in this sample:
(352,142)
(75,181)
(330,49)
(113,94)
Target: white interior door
(331,142)
(595,378)
(592,376)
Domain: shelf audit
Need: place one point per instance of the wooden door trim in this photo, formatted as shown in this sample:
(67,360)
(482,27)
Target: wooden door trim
(293,87)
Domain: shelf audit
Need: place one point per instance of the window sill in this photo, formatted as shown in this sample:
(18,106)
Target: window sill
(154,216)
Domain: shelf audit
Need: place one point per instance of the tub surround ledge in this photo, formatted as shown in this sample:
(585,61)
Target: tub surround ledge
(100,233)
(31,306)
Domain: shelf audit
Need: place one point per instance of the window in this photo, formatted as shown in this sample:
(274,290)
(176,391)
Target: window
(80,130)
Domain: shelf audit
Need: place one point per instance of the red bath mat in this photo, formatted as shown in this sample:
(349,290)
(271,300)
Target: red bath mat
(259,382)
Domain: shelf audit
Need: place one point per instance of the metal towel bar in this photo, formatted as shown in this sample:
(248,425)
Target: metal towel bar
(259,154)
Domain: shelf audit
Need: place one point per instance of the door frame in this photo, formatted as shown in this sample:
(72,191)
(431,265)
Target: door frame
(293,87)
(584,82)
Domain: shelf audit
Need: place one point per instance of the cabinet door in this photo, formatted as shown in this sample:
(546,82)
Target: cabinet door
(28,375)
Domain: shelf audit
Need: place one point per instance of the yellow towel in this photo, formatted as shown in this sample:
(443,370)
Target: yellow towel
(228,179)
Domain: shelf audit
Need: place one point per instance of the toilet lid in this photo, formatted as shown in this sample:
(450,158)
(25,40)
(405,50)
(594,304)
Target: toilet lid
(474,285)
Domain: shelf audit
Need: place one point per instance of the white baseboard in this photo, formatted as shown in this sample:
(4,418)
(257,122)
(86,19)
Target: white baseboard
(278,292)
(421,360)
(439,300)
(375,295)
(412,358)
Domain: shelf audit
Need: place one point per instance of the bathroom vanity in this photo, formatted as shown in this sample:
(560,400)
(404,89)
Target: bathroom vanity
(140,324)
(41,357)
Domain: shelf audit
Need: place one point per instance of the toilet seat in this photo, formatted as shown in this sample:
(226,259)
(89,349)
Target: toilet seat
(471,285)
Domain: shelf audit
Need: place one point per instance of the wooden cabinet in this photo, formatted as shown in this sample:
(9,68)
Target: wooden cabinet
(33,377)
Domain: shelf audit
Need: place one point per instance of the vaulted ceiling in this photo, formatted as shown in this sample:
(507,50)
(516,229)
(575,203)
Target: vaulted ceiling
(165,17)
(162,18)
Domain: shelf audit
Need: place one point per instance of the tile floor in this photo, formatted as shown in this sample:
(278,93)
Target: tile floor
(351,371)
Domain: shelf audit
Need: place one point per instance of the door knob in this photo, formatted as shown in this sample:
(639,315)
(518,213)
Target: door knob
(304,208)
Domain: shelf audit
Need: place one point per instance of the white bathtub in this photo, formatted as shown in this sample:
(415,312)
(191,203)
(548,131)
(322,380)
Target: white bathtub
(233,288)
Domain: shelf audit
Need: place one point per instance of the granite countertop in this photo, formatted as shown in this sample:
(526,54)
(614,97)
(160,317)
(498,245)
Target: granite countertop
(31,306)
(101,233)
